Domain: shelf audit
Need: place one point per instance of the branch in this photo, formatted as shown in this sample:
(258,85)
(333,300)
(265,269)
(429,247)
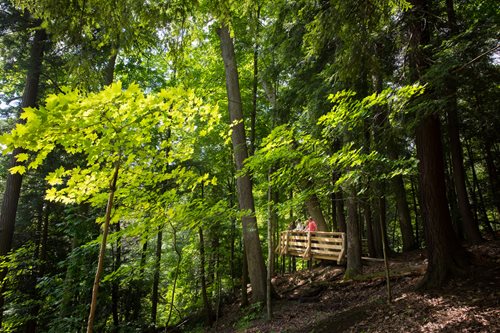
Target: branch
(475,59)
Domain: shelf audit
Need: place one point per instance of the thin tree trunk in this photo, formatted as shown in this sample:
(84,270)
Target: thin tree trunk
(156,276)
(177,269)
(470,227)
(244,278)
(270,246)
(206,302)
(475,184)
(452,200)
(115,287)
(367,217)
(40,257)
(253,117)
(493,175)
(13,181)
(404,214)
(415,210)
(340,211)
(256,266)
(102,251)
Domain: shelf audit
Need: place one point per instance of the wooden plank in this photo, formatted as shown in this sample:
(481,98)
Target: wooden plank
(327,246)
(325,257)
(332,253)
(295,243)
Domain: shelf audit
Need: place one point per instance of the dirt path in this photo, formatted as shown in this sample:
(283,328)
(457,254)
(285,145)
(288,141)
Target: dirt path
(320,301)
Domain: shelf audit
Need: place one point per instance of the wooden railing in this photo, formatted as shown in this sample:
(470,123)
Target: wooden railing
(313,245)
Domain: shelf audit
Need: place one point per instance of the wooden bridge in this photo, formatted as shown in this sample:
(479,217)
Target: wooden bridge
(313,245)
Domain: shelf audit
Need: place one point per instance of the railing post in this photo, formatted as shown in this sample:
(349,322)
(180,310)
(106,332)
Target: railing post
(286,241)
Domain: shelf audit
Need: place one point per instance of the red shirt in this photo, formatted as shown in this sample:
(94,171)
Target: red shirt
(312,226)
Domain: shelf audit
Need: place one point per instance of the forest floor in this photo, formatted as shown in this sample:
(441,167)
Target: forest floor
(319,300)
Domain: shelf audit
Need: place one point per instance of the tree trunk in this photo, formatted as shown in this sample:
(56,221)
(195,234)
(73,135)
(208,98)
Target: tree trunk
(14,181)
(339,207)
(270,246)
(115,286)
(370,228)
(244,278)
(404,214)
(209,315)
(102,250)
(314,210)
(256,266)
(156,277)
(177,270)
(416,212)
(253,117)
(446,256)
(354,267)
(470,227)
(493,175)
(475,184)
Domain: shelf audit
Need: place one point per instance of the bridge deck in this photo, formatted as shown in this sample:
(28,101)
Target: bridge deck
(313,245)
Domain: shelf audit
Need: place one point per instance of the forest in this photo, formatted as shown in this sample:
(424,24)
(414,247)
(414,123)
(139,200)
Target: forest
(154,153)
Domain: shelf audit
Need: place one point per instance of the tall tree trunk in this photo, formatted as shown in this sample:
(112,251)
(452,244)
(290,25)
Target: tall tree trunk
(253,117)
(244,278)
(209,314)
(40,257)
(177,270)
(403,213)
(115,286)
(493,175)
(156,277)
(340,211)
(470,227)
(475,184)
(256,266)
(314,210)
(354,266)
(416,212)
(270,246)
(102,250)
(370,228)
(446,256)
(13,182)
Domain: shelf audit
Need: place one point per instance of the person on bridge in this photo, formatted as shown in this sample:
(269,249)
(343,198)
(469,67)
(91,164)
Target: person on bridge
(300,226)
(311,225)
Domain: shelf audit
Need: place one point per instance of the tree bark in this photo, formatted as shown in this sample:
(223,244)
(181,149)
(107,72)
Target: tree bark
(14,181)
(370,228)
(209,314)
(102,250)
(253,117)
(446,256)
(314,210)
(177,270)
(493,175)
(404,214)
(256,266)
(470,227)
(115,286)
(156,277)
(354,266)
(339,207)
(475,185)
(270,246)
